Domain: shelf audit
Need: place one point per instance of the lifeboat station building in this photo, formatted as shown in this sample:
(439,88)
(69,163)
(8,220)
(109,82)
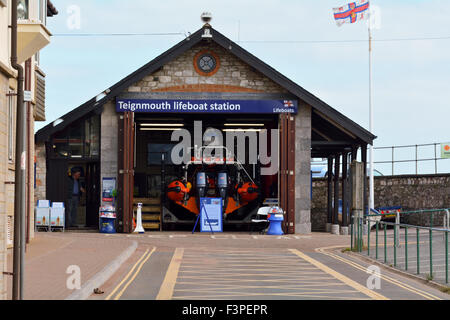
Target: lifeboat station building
(205,91)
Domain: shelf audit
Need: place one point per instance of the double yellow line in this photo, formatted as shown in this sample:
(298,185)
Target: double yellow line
(405,286)
(138,266)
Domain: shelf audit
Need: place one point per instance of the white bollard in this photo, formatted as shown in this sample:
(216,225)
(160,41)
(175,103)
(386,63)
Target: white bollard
(397,229)
(139,228)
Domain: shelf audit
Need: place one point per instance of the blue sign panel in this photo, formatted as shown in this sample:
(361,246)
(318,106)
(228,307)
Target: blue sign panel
(211,215)
(207,106)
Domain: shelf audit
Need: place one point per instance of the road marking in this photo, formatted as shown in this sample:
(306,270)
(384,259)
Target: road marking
(168,285)
(339,276)
(126,277)
(139,265)
(405,286)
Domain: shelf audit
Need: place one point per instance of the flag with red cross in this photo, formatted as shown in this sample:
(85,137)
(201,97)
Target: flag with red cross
(352,12)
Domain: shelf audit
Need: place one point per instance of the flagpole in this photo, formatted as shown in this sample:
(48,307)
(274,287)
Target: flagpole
(371,180)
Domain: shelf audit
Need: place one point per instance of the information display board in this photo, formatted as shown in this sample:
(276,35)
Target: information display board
(42,213)
(445,150)
(211,215)
(57,214)
(108,185)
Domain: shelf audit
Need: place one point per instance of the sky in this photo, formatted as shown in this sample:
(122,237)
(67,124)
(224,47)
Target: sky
(300,39)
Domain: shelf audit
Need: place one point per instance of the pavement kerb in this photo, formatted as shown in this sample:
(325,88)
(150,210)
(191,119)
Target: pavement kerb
(430,283)
(101,277)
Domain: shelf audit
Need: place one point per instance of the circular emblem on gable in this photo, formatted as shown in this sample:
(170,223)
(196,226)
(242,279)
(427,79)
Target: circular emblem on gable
(206,63)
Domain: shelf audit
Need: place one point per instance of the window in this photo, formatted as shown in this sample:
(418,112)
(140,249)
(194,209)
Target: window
(80,140)
(43,11)
(60,144)
(92,128)
(11,125)
(22,9)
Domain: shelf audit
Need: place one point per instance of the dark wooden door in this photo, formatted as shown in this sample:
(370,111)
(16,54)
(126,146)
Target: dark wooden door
(56,180)
(92,186)
(287,171)
(125,185)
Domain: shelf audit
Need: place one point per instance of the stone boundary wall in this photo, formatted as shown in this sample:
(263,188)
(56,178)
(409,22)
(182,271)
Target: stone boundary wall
(409,191)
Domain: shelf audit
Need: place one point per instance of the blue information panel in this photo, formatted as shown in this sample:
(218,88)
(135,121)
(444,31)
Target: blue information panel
(207,106)
(211,215)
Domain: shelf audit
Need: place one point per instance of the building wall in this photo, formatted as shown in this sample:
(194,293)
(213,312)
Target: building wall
(109,124)
(7,171)
(4,86)
(179,75)
(410,192)
(41,172)
(302,169)
(7,84)
(234,75)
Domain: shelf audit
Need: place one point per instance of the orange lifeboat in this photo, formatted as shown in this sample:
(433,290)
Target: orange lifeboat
(247,191)
(177,190)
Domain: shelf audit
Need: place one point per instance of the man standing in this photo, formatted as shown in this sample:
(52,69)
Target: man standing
(74,191)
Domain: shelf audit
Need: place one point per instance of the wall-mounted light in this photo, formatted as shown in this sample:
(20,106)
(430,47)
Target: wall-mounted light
(159,129)
(244,124)
(161,124)
(242,130)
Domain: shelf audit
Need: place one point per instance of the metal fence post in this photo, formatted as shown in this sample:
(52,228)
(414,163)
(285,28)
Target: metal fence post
(357,238)
(397,229)
(351,236)
(446,256)
(406,248)
(385,244)
(376,241)
(418,251)
(368,236)
(431,253)
(395,245)
(447,217)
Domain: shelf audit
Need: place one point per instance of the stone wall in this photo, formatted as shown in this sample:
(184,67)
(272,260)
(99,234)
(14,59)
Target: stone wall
(411,192)
(41,173)
(109,142)
(180,75)
(302,169)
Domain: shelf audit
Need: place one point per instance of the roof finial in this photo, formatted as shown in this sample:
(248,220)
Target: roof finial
(206,18)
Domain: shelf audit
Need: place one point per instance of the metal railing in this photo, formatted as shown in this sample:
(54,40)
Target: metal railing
(411,159)
(418,249)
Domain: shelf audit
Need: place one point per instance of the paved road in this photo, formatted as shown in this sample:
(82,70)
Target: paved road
(241,266)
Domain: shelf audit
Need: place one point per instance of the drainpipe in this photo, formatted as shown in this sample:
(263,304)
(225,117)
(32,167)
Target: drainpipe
(20,167)
(29,114)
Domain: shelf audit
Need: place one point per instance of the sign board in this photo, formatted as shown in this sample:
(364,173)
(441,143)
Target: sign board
(42,216)
(211,215)
(108,185)
(107,212)
(207,106)
(27,97)
(57,214)
(43,203)
(445,150)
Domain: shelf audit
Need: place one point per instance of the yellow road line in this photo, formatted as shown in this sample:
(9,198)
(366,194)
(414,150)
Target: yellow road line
(117,297)
(126,277)
(405,286)
(339,276)
(275,279)
(168,285)
(223,286)
(228,296)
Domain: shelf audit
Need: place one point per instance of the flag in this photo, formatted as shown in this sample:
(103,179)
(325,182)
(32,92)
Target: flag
(288,103)
(352,12)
